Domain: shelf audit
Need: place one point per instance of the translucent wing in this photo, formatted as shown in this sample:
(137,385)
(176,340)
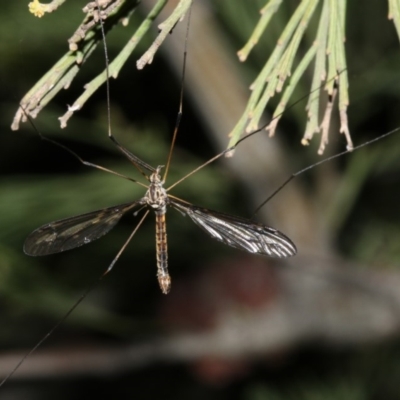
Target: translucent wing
(73,232)
(238,232)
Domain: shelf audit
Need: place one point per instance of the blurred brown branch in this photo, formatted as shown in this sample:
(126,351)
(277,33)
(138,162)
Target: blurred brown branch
(331,302)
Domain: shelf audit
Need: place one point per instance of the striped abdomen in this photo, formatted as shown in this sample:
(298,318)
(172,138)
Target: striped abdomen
(164,279)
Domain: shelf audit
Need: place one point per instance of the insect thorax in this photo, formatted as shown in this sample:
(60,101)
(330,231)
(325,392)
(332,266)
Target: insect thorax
(156,196)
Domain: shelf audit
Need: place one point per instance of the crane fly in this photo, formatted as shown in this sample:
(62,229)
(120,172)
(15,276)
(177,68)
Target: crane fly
(240,233)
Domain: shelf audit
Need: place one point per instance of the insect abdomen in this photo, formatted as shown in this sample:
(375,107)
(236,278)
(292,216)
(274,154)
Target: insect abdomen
(164,279)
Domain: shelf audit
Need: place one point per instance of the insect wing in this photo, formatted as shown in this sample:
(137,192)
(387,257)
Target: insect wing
(76,231)
(238,232)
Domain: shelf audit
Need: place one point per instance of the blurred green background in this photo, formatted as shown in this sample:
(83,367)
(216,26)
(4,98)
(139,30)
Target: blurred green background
(127,339)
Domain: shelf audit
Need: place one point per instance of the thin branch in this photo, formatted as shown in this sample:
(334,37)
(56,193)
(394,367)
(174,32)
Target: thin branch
(165,28)
(116,65)
(266,14)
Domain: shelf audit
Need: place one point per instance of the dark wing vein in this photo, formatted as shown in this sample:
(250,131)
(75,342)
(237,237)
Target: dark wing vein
(238,232)
(73,232)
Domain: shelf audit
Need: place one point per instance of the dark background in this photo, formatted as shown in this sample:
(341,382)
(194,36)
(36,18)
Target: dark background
(339,299)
